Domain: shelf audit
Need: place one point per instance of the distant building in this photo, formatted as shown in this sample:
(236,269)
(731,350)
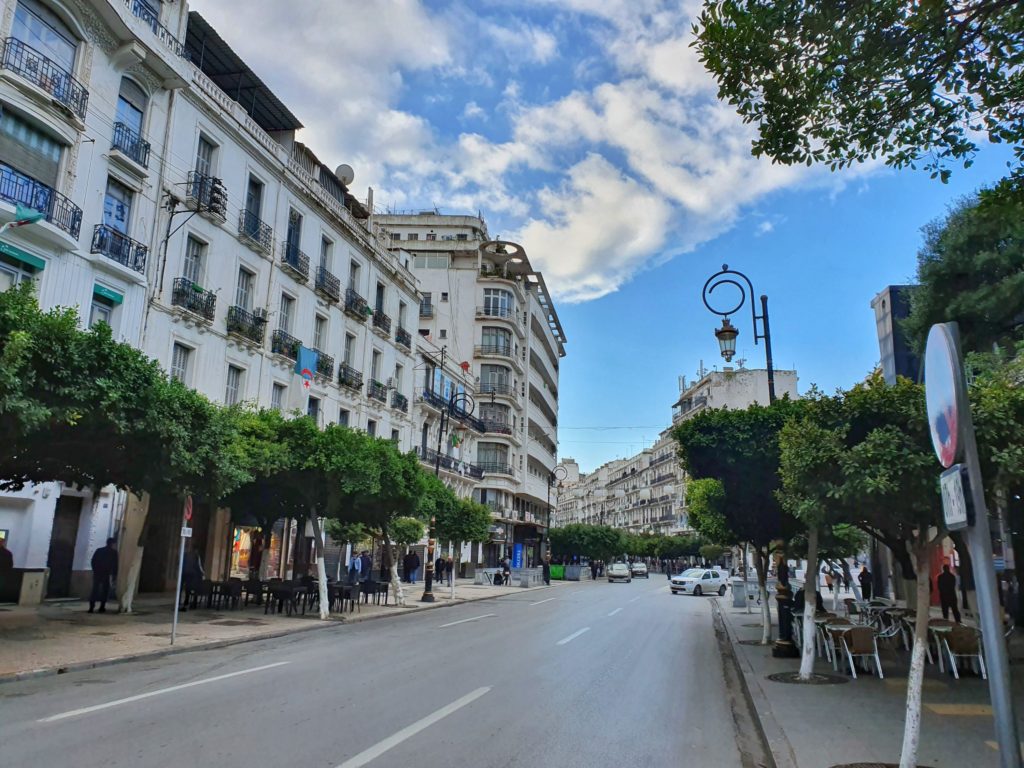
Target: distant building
(731,388)
(891,305)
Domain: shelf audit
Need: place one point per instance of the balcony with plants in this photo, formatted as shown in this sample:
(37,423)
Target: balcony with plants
(350,377)
(283,343)
(377,390)
(400,402)
(249,326)
(192,297)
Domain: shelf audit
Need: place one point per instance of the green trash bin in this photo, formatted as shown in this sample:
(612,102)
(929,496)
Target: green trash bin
(558,572)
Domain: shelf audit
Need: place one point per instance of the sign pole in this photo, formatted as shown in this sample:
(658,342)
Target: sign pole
(186,533)
(979,542)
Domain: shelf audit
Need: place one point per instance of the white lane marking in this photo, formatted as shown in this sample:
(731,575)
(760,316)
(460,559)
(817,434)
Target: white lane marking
(139,697)
(541,602)
(463,621)
(572,637)
(409,731)
(636,598)
(615,611)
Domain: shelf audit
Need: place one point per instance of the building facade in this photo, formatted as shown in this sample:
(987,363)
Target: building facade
(891,305)
(180,209)
(490,311)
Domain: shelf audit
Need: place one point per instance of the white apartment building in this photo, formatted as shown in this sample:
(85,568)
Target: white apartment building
(646,493)
(491,311)
(181,210)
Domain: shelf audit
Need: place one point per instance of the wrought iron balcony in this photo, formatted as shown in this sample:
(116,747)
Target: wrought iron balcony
(255,232)
(26,61)
(498,388)
(328,284)
(381,322)
(497,350)
(350,377)
(496,468)
(434,399)
(119,247)
(400,401)
(426,309)
(497,427)
(377,391)
(283,343)
(295,260)
(324,364)
(432,458)
(191,296)
(16,187)
(145,12)
(356,306)
(130,144)
(248,325)
(207,195)
(403,337)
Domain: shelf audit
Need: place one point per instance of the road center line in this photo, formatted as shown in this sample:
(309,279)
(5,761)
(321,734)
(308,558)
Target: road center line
(463,621)
(615,611)
(636,598)
(409,731)
(572,637)
(541,602)
(139,697)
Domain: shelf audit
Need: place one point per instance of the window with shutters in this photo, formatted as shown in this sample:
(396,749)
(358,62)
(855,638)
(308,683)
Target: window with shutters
(195,253)
(181,357)
(243,291)
(277,397)
(233,390)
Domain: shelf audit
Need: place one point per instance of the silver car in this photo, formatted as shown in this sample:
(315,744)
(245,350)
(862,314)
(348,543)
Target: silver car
(699,581)
(619,572)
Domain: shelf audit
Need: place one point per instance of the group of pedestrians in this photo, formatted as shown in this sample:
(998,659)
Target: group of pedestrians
(444,569)
(410,567)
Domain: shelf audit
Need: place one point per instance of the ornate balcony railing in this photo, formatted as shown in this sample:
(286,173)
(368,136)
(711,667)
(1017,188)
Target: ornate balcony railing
(498,388)
(30,64)
(349,377)
(431,457)
(295,260)
(496,468)
(356,306)
(255,231)
(191,296)
(377,391)
(324,364)
(208,195)
(16,187)
(248,325)
(119,247)
(498,350)
(145,12)
(328,284)
(400,401)
(283,343)
(130,144)
(403,337)
(497,427)
(381,321)
(426,309)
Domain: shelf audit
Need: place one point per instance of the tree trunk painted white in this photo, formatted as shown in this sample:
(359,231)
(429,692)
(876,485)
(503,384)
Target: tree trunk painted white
(131,581)
(761,565)
(743,573)
(807,649)
(133,534)
(912,721)
(396,583)
(836,587)
(321,568)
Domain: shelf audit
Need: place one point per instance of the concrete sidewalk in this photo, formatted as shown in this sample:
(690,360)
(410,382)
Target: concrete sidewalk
(861,721)
(60,636)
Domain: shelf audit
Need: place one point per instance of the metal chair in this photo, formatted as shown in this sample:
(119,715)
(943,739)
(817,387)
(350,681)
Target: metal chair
(861,642)
(964,643)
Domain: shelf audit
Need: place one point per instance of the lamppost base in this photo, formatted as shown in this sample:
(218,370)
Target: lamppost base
(428,597)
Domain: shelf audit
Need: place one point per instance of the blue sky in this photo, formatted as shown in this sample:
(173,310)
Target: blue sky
(588,131)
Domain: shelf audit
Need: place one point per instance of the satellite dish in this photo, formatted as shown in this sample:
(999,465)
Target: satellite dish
(345,173)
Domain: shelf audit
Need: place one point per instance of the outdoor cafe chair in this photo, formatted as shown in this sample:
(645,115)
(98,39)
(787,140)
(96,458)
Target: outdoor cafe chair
(861,642)
(382,589)
(963,642)
(833,637)
(853,611)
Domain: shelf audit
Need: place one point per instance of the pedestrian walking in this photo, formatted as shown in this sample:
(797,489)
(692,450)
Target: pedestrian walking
(506,571)
(415,566)
(546,569)
(355,567)
(407,568)
(828,577)
(192,575)
(104,568)
(947,593)
(366,565)
(449,569)
(439,568)
(846,580)
(593,570)
(864,577)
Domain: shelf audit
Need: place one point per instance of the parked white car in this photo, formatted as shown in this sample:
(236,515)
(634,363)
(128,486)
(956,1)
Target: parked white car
(619,571)
(699,581)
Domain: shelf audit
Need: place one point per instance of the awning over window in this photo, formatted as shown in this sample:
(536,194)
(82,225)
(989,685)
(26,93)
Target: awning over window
(107,293)
(24,257)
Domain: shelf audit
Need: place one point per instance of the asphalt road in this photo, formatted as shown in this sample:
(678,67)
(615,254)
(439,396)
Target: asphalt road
(589,674)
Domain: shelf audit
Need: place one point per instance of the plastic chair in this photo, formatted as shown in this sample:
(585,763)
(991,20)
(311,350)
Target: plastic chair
(964,643)
(861,642)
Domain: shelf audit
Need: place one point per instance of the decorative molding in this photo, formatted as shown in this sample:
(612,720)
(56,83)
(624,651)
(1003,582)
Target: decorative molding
(95,28)
(146,77)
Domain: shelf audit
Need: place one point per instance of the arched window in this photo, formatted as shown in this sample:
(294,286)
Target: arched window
(131,106)
(37,26)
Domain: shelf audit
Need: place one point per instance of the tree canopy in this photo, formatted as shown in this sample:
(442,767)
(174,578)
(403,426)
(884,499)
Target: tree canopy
(840,83)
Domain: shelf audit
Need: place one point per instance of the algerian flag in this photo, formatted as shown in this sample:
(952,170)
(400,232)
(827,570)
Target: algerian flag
(456,439)
(22,215)
(305,364)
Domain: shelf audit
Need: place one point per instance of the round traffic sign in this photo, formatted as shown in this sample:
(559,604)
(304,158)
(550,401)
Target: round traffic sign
(943,388)
(188,508)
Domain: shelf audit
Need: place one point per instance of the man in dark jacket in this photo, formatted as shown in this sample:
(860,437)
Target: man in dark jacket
(947,593)
(104,568)
(546,569)
(192,575)
(438,569)
(367,563)
(864,577)
(415,567)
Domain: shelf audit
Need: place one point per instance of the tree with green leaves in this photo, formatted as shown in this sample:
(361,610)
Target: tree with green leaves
(712,552)
(971,269)
(596,542)
(843,83)
(705,498)
(740,449)
(464,521)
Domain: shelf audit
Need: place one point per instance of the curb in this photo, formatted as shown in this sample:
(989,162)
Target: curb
(771,735)
(32,674)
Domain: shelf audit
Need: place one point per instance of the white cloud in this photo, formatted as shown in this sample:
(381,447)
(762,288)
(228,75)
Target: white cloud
(765,227)
(473,111)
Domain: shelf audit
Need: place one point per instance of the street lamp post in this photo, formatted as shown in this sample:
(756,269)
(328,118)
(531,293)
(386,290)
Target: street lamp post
(461,403)
(727,334)
(556,475)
